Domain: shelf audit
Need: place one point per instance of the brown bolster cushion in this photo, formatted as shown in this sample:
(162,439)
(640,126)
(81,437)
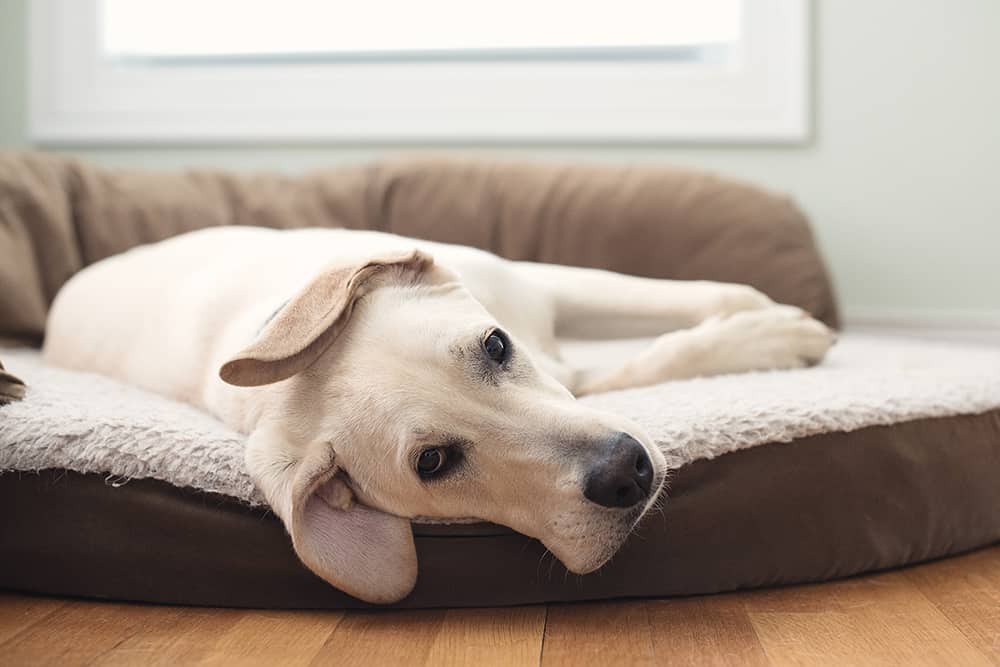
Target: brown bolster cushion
(58,215)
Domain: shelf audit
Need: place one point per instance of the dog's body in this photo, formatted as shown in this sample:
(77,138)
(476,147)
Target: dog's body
(377,383)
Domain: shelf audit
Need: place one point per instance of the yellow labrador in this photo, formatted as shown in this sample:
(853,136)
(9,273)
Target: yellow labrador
(378,384)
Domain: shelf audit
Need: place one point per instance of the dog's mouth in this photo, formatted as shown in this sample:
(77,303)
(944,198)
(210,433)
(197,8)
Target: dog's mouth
(586,541)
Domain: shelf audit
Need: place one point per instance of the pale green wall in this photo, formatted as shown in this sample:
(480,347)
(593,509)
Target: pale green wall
(902,179)
(13,74)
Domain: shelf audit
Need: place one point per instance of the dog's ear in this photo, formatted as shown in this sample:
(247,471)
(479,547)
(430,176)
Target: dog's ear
(362,551)
(308,324)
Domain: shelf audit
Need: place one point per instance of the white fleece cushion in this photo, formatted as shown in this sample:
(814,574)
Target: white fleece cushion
(89,424)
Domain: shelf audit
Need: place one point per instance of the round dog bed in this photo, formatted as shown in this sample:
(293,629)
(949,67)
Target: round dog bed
(887,454)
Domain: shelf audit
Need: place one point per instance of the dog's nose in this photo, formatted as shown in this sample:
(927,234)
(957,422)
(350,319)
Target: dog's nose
(623,476)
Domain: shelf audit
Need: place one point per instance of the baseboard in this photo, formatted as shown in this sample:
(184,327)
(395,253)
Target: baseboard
(935,324)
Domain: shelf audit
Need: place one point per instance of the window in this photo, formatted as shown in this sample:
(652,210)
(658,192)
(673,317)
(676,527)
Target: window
(433,70)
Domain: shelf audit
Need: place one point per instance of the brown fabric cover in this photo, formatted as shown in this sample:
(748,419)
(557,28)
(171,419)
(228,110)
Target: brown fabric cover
(821,507)
(57,215)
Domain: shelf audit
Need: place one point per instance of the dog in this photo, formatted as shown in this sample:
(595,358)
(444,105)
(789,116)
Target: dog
(381,378)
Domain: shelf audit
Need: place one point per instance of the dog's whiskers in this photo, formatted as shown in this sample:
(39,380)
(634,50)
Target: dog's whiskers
(541,559)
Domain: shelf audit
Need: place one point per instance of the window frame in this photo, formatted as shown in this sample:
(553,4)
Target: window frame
(77,97)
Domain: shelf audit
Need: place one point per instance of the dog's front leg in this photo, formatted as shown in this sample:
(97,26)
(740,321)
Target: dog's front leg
(770,338)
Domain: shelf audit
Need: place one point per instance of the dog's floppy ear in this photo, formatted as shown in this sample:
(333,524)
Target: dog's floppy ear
(306,326)
(362,551)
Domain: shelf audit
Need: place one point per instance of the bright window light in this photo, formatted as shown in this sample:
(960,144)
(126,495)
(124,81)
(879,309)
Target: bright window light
(255,29)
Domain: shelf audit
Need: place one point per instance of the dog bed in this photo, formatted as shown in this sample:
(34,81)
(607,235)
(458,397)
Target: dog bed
(889,453)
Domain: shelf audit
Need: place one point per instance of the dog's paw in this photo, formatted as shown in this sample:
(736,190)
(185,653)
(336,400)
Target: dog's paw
(768,339)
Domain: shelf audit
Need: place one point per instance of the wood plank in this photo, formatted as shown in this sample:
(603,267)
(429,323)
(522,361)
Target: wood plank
(18,612)
(882,619)
(79,633)
(382,638)
(714,630)
(598,634)
(503,636)
(967,591)
(171,636)
(274,638)
(802,599)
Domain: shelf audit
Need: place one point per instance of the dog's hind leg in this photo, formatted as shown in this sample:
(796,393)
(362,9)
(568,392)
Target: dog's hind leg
(764,339)
(590,303)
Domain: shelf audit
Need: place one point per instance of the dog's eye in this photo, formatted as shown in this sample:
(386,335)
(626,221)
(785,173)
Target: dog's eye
(432,461)
(497,346)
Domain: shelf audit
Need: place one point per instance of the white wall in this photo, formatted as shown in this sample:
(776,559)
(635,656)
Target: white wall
(902,178)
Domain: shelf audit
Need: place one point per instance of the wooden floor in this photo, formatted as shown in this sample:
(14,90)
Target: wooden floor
(944,613)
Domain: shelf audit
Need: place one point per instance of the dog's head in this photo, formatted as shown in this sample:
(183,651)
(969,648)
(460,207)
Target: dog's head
(388,392)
